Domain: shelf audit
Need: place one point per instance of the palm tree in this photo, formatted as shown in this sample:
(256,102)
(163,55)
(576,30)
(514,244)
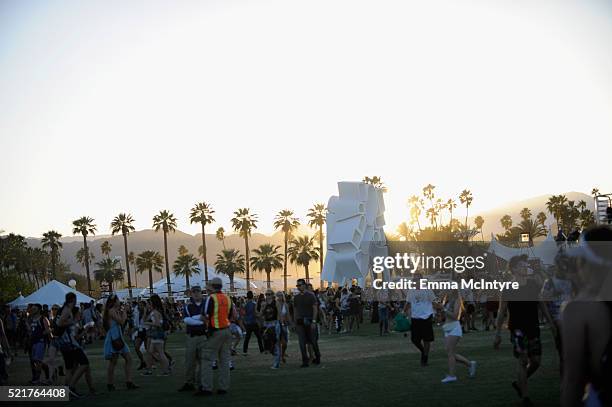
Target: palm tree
(132,261)
(525,214)
(466,198)
(287,223)
(106,248)
(220,235)
(317,217)
(51,241)
(376,182)
(451,204)
(82,257)
(506,222)
(149,260)
(230,262)
(541,218)
(416,205)
(85,226)
(267,258)
(167,223)
(479,222)
(202,213)
(182,250)
(244,222)
(404,231)
(186,265)
(595,192)
(109,270)
(532,228)
(302,252)
(123,224)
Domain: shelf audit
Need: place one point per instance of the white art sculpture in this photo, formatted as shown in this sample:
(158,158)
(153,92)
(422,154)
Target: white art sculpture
(355,221)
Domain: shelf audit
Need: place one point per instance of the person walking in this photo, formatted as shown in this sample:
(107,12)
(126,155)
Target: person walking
(452,334)
(218,311)
(305,309)
(195,340)
(250,324)
(419,307)
(157,322)
(114,319)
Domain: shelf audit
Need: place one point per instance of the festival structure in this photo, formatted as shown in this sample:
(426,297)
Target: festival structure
(545,251)
(355,234)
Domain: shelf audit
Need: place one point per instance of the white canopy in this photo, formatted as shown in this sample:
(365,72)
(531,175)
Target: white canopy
(546,251)
(54,292)
(18,302)
(179,285)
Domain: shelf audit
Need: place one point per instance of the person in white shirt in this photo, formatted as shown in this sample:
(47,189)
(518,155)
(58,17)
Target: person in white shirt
(420,309)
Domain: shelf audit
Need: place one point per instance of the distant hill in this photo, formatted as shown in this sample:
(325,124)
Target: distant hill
(536,204)
(148,239)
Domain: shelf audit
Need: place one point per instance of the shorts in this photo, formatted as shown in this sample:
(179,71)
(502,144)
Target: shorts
(38,351)
(523,345)
(235,330)
(452,328)
(75,357)
(422,330)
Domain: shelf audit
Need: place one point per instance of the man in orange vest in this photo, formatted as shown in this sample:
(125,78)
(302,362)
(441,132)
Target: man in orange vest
(217,314)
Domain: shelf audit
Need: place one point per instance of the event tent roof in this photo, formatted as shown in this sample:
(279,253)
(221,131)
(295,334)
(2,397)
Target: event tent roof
(52,293)
(179,285)
(546,250)
(18,302)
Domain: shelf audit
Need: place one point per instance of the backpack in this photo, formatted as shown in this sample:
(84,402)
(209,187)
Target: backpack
(57,330)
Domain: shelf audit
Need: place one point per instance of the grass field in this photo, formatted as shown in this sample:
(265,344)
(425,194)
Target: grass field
(361,369)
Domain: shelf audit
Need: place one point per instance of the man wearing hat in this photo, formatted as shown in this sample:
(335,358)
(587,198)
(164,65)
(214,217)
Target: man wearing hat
(216,317)
(195,340)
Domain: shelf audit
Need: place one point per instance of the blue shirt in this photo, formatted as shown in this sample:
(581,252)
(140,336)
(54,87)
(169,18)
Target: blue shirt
(249,313)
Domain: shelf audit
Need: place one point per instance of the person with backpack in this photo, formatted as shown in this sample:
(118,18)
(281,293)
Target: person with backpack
(114,319)
(587,324)
(250,324)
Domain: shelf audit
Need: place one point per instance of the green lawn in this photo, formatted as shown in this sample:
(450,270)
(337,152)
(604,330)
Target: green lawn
(360,369)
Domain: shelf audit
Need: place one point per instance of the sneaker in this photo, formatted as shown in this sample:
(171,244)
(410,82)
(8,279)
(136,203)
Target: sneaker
(472,368)
(147,372)
(202,392)
(142,366)
(187,387)
(214,365)
(164,373)
(274,367)
(449,379)
(317,361)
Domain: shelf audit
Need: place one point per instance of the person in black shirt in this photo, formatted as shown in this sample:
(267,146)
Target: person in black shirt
(195,341)
(522,305)
(305,308)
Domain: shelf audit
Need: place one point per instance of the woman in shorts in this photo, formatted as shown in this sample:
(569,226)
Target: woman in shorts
(114,319)
(452,333)
(157,336)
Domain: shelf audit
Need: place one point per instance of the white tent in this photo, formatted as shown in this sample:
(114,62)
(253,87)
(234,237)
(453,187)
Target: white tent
(178,283)
(18,302)
(546,250)
(54,292)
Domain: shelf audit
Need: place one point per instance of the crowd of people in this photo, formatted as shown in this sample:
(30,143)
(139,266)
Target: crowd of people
(569,300)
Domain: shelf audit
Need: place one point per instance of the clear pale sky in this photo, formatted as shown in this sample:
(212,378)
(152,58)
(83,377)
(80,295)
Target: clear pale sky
(137,106)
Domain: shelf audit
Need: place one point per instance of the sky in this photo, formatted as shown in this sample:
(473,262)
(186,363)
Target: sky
(138,106)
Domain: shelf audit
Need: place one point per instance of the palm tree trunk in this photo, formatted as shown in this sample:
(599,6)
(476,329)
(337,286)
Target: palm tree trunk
(135,276)
(167,266)
(285,264)
(268,278)
(248,269)
(306,273)
(53,264)
(321,254)
(187,280)
(204,255)
(127,266)
(150,281)
(231,279)
(87,265)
